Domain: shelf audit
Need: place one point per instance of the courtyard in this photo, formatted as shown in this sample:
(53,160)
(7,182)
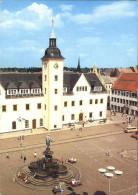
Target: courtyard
(88,146)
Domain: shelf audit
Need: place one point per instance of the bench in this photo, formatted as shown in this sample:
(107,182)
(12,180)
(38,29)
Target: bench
(102,121)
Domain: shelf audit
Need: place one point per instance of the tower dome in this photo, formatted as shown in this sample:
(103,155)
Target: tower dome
(52,51)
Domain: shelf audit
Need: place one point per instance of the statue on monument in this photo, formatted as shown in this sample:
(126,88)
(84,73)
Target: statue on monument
(48,140)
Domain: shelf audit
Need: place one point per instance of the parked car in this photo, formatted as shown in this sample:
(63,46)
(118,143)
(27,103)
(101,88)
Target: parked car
(135,135)
(131,129)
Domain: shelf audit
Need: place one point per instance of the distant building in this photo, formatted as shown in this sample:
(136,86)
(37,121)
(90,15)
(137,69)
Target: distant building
(52,98)
(116,72)
(106,81)
(124,94)
(108,85)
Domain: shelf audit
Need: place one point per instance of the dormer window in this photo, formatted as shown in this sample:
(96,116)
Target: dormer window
(65,90)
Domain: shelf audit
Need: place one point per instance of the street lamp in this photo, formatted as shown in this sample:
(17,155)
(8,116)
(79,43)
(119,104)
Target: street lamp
(20,119)
(110,175)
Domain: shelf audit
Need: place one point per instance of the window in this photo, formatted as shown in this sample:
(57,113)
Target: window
(65,104)
(73,103)
(90,101)
(101,101)
(45,106)
(4,108)
(81,102)
(39,106)
(96,101)
(72,117)
(85,88)
(63,117)
(15,107)
(101,114)
(45,77)
(45,90)
(56,91)
(55,126)
(90,114)
(41,122)
(27,107)
(77,88)
(56,78)
(55,107)
(26,124)
(65,90)
(13,125)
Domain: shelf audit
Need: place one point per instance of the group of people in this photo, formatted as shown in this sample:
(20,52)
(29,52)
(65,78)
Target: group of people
(24,178)
(57,189)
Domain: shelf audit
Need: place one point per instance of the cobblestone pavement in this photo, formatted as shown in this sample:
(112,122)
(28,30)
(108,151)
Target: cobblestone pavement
(88,146)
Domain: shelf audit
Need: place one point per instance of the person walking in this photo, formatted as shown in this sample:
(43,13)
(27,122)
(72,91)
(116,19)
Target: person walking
(7,156)
(35,154)
(24,159)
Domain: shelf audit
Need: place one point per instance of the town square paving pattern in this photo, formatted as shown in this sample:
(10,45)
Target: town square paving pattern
(89,147)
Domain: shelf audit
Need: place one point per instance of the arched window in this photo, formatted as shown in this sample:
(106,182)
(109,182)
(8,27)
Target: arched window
(13,125)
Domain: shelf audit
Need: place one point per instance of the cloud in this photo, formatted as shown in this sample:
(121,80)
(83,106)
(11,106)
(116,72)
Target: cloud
(34,17)
(105,12)
(66,7)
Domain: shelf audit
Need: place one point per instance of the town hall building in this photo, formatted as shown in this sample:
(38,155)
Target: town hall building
(52,98)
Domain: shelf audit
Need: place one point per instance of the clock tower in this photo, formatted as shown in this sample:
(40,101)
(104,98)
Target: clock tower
(52,84)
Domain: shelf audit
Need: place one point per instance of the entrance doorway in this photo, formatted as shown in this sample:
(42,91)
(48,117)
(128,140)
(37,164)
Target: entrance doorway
(80,117)
(34,124)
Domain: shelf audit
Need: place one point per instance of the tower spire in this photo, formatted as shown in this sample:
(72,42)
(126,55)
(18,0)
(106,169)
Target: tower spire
(78,67)
(53,35)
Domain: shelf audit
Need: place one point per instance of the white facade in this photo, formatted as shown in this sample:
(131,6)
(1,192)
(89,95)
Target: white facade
(15,108)
(42,100)
(124,101)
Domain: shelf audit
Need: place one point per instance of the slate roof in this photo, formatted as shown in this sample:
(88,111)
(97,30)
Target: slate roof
(71,78)
(107,79)
(31,80)
(20,80)
(127,82)
(94,81)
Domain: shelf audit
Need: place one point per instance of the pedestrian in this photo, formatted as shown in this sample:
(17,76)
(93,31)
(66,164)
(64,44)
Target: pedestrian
(7,156)
(83,125)
(62,160)
(24,159)
(108,152)
(35,154)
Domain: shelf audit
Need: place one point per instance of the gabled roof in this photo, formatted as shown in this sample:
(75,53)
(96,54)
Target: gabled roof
(125,70)
(94,81)
(127,82)
(20,80)
(113,79)
(107,79)
(71,78)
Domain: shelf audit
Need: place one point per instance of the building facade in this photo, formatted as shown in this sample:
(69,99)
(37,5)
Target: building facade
(52,98)
(124,97)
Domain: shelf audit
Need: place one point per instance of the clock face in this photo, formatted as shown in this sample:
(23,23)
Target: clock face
(56,66)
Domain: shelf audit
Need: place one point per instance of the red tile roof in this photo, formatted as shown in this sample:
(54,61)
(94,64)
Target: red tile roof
(127,82)
(125,70)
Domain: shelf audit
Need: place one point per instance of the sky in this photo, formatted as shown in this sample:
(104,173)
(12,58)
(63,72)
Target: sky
(99,32)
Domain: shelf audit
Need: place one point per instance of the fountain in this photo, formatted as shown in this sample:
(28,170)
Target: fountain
(45,173)
(47,166)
